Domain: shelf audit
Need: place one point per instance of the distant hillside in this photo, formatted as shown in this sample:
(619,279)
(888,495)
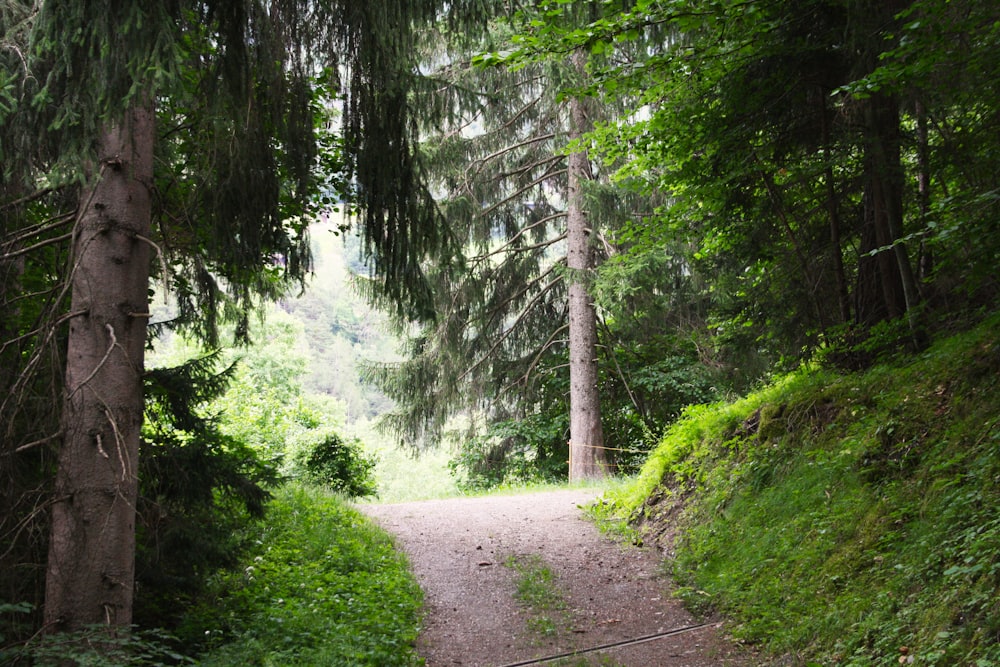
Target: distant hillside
(846,520)
(342,331)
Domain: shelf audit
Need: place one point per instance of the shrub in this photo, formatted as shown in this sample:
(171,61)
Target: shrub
(340,465)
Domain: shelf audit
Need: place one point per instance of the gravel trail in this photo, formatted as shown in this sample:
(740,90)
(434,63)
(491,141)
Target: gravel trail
(614,595)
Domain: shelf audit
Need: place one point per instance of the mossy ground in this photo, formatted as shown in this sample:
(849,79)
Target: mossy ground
(842,519)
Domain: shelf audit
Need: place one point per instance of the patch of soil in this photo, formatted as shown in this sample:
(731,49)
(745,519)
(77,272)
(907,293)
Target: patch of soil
(614,594)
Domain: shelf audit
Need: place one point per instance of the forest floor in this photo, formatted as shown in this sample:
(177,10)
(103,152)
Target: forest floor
(609,603)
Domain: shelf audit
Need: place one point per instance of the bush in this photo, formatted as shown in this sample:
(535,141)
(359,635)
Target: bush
(340,465)
(525,451)
(199,492)
(94,647)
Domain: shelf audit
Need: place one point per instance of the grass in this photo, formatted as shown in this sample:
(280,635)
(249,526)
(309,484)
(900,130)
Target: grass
(325,587)
(536,585)
(538,590)
(849,520)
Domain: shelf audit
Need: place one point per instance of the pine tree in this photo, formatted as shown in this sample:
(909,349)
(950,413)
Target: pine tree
(213,194)
(791,139)
(518,310)
(587,457)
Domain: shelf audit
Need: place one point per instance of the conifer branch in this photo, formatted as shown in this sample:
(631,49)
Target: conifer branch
(514,147)
(41,244)
(527,248)
(111,347)
(537,223)
(163,264)
(27,199)
(523,110)
(510,330)
(28,296)
(520,191)
(549,342)
(529,167)
(36,443)
(42,227)
(528,285)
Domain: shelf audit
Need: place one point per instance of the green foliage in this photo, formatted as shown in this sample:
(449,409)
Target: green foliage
(342,466)
(94,647)
(323,587)
(497,351)
(339,329)
(645,385)
(16,619)
(265,406)
(514,452)
(403,474)
(199,491)
(844,518)
(244,151)
(755,153)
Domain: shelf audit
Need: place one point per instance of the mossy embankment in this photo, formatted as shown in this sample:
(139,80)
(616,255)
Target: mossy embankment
(842,519)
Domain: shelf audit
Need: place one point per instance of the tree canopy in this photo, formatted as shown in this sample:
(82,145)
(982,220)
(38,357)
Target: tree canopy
(797,180)
(188,142)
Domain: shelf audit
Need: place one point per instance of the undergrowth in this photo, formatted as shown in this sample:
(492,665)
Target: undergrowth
(324,587)
(849,520)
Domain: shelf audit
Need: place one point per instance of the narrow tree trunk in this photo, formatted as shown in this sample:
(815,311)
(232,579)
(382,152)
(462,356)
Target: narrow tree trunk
(586,447)
(881,127)
(833,212)
(11,272)
(90,570)
(876,294)
(925,265)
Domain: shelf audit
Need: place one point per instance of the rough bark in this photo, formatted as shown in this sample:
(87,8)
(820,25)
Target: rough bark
(90,571)
(878,295)
(886,180)
(11,272)
(587,457)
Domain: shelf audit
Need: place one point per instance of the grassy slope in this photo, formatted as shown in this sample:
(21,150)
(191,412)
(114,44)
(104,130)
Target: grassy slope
(848,520)
(326,587)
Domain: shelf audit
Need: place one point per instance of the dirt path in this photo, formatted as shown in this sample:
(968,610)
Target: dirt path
(612,593)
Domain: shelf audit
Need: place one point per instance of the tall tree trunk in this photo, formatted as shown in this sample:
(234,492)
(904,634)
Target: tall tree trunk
(885,176)
(587,457)
(11,271)
(886,179)
(90,571)
(878,295)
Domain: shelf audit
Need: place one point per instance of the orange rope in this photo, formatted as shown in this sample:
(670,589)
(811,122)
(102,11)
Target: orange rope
(609,449)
